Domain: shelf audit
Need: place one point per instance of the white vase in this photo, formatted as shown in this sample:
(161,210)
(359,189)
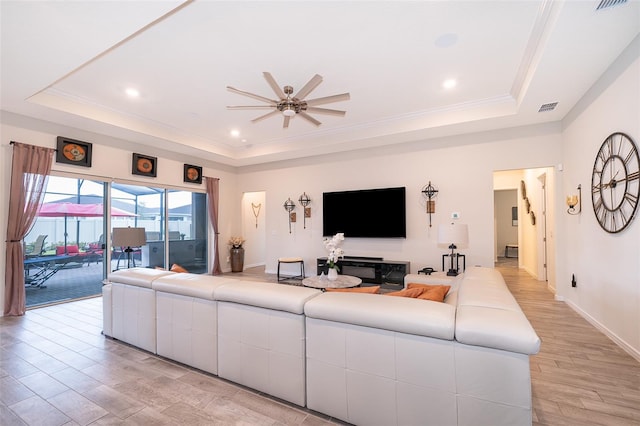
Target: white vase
(333,274)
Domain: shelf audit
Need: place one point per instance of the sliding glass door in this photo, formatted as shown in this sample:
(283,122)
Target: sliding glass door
(64,251)
(175,226)
(67,252)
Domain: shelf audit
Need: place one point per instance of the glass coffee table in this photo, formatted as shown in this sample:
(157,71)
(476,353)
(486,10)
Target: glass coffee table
(322,282)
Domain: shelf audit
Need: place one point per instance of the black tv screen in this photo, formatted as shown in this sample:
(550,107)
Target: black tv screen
(368,213)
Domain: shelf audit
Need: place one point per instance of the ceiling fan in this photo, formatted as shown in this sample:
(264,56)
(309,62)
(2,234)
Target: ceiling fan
(290,105)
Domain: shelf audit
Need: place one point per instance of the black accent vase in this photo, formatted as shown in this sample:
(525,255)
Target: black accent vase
(237,259)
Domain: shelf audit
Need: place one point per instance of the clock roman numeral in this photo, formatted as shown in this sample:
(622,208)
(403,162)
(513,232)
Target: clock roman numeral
(633,176)
(623,217)
(630,156)
(610,146)
(597,205)
(631,199)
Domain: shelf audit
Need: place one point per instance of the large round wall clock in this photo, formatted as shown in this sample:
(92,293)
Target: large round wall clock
(615,182)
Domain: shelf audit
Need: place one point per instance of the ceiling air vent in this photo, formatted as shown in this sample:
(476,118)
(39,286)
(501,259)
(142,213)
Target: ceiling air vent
(548,107)
(609,3)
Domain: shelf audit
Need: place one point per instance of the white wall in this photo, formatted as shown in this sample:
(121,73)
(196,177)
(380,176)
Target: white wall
(462,174)
(111,163)
(606,265)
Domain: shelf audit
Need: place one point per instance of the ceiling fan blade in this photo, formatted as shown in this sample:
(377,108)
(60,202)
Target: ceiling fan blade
(272,82)
(285,124)
(267,115)
(328,99)
(251,107)
(251,95)
(309,118)
(311,84)
(326,111)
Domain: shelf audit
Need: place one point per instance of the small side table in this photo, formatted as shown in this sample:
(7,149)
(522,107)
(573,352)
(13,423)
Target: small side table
(512,247)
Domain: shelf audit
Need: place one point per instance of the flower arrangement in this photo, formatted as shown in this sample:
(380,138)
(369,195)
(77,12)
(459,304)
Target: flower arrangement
(335,251)
(236,242)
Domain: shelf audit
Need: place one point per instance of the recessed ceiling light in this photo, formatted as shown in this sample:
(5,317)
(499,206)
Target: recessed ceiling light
(132,93)
(235,133)
(449,83)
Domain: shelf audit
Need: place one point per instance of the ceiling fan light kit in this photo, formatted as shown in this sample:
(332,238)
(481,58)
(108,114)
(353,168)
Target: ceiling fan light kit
(289,105)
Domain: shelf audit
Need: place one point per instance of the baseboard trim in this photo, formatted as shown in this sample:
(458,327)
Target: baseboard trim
(611,335)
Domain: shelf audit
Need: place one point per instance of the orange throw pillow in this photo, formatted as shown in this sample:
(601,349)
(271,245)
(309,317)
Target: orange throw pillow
(371,289)
(407,292)
(436,293)
(177,268)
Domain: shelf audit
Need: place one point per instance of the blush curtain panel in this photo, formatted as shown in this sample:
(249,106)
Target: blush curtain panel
(30,169)
(213,201)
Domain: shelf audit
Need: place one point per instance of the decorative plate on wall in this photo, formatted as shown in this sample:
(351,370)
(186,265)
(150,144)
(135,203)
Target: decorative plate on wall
(144,165)
(71,151)
(192,174)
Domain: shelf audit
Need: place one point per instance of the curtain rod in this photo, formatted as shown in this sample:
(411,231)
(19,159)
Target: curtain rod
(14,142)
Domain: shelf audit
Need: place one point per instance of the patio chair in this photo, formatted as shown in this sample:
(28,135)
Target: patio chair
(38,247)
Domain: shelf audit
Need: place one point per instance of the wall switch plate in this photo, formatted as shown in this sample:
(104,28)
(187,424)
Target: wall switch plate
(455,215)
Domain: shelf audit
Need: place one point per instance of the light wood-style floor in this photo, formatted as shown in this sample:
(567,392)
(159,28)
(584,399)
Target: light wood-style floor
(57,369)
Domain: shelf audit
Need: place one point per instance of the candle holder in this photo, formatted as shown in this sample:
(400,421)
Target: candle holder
(573,200)
(290,206)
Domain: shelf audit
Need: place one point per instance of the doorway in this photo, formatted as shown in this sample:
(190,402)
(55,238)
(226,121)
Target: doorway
(533,189)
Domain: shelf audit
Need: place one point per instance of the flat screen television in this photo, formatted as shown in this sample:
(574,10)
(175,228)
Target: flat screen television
(367,213)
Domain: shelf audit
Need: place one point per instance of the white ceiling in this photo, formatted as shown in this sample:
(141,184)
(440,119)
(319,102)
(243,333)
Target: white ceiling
(70,62)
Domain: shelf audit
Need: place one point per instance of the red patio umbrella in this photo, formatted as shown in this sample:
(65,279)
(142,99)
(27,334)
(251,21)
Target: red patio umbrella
(67,209)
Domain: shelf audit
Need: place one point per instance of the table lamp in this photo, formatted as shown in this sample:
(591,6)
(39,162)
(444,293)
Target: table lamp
(454,236)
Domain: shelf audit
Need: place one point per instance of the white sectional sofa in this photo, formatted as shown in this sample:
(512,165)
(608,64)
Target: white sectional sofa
(366,359)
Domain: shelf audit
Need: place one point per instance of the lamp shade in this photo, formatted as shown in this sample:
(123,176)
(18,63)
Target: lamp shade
(453,234)
(129,237)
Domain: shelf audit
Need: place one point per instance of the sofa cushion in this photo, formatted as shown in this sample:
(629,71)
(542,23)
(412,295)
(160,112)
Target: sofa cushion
(436,293)
(70,250)
(280,297)
(407,292)
(140,277)
(401,314)
(177,268)
(496,328)
(193,285)
(488,314)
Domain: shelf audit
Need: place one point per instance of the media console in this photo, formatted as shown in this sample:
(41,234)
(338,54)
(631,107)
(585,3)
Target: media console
(370,269)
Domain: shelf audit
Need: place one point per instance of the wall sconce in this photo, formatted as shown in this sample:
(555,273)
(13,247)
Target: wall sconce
(573,200)
(304,201)
(430,193)
(290,206)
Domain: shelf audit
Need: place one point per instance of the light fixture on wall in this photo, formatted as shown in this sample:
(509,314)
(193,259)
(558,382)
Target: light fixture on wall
(573,201)
(129,237)
(430,194)
(290,206)
(304,201)
(455,236)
